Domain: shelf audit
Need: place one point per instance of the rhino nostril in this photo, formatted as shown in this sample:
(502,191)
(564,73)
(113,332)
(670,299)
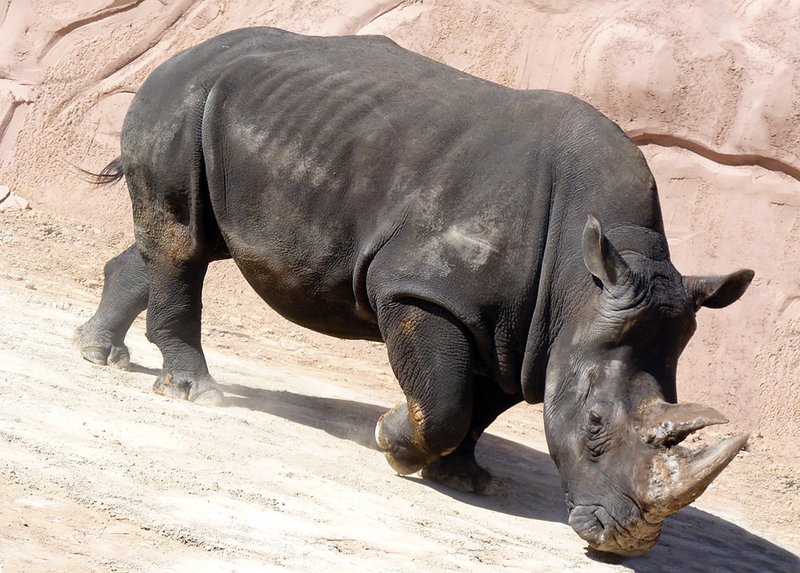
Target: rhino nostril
(584,520)
(595,525)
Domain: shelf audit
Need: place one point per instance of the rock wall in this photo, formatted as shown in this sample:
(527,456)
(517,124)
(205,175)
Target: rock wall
(710,89)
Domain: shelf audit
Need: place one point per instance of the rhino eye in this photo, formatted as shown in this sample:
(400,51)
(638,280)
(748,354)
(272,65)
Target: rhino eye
(597,436)
(595,426)
(595,419)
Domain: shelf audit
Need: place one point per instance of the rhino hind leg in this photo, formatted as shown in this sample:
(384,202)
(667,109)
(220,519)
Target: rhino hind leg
(173,324)
(176,249)
(431,356)
(125,291)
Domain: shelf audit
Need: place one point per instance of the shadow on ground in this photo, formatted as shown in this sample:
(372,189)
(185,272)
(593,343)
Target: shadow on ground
(139,369)
(528,486)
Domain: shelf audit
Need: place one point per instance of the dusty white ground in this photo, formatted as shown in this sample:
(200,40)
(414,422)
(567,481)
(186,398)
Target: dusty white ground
(97,473)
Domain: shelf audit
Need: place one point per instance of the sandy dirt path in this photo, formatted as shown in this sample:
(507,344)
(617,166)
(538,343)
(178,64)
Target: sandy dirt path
(97,473)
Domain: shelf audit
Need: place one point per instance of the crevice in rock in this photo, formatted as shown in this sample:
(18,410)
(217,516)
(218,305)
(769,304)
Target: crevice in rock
(371,13)
(383,11)
(4,7)
(5,121)
(115,8)
(728,159)
(149,41)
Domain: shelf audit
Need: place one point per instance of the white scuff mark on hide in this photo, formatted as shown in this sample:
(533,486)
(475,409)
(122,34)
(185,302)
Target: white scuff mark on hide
(433,262)
(614,368)
(473,248)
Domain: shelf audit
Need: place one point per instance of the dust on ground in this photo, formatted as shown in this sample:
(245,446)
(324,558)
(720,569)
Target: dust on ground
(97,473)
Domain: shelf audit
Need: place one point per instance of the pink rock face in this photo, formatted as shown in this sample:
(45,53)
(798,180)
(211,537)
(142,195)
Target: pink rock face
(710,90)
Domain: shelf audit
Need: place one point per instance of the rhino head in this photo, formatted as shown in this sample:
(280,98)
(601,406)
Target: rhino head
(612,424)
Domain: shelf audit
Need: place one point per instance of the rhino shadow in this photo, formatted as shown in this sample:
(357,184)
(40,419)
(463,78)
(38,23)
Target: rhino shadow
(536,495)
(528,485)
(695,540)
(344,419)
(139,369)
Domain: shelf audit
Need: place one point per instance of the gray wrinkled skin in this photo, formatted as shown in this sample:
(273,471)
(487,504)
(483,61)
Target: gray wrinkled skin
(368,192)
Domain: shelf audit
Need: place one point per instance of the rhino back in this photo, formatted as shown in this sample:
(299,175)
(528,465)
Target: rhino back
(322,154)
(345,172)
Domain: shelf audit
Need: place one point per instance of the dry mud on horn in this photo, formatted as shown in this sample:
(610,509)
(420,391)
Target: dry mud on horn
(97,473)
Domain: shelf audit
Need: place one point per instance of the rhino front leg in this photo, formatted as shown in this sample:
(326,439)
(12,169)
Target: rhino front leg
(432,358)
(125,292)
(459,469)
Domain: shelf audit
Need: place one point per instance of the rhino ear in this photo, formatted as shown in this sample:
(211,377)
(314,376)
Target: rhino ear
(600,256)
(717,292)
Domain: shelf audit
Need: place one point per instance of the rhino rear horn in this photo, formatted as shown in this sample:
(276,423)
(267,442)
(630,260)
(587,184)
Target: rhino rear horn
(600,256)
(663,424)
(717,291)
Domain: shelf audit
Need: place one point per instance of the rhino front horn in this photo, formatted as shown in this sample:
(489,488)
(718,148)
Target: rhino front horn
(678,476)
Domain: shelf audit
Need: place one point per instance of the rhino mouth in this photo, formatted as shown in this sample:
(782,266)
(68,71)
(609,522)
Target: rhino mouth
(676,476)
(603,532)
(630,525)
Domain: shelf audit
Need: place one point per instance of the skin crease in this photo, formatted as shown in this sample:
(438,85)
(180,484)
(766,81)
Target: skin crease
(368,192)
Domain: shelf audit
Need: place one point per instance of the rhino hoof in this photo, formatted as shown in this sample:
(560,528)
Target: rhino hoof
(119,357)
(200,389)
(97,350)
(392,436)
(211,397)
(460,473)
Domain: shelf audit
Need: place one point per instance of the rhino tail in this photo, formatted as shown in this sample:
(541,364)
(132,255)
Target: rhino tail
(111,173)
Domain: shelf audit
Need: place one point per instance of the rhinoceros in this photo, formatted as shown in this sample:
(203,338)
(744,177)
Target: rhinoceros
(368,192)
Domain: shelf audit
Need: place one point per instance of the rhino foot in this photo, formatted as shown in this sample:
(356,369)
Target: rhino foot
(97,347)
(200,389)
(394,437)
(460,472)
